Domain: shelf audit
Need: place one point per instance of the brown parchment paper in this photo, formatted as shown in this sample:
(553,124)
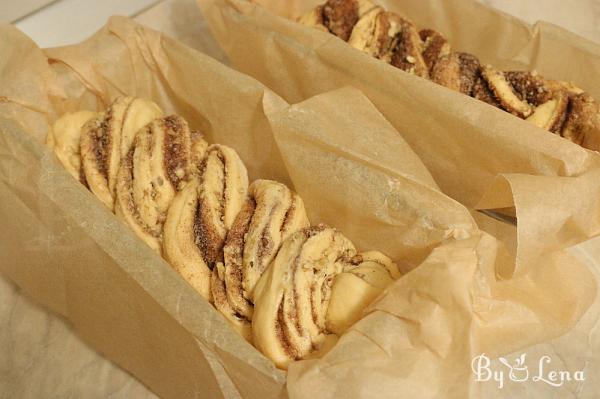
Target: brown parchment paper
(68,252)
(479,155)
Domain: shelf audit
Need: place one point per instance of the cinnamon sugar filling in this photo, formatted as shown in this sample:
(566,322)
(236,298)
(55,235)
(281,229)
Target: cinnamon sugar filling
(340,16)
(207,238)
(102,144)
(176,150)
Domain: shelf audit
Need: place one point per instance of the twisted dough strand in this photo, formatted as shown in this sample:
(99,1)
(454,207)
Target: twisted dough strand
(201,215)
(107,139)
(161,161)
(271,213)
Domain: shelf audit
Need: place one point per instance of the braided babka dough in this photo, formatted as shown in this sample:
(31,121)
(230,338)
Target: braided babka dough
(105,140)
(289,288)
(364,277)
(301,298)
(556,106)
(201,215)
(163,158)
(271,213)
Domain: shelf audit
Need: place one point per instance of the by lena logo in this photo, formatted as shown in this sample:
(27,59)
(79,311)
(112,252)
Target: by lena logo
(519,371)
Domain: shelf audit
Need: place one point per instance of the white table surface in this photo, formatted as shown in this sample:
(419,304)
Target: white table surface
(40,357)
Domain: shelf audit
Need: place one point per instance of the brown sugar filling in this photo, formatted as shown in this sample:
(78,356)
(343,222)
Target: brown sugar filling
(132,207)
(235,248)
(102,142)
(176,151)
(434,43)
(283,335)
(528,87)
(207,238)
(340,16)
